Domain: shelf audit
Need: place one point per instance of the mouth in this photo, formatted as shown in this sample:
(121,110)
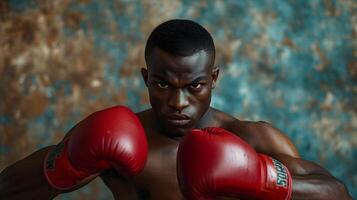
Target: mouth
(178,120)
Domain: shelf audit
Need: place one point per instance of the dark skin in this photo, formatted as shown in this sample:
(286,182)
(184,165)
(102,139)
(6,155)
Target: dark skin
(183,85)
(180,86)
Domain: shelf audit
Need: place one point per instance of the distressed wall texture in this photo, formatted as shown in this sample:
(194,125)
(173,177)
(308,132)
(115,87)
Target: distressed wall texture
(292,63)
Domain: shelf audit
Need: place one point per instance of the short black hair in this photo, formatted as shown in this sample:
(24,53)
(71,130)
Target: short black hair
(180,37)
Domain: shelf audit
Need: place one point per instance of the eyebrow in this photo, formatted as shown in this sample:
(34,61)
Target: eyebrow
(157,77)
(198,79)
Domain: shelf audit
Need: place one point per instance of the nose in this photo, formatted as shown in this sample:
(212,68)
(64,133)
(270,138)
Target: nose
(178,100)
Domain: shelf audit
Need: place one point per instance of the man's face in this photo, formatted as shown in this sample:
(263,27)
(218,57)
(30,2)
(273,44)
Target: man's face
(179,89)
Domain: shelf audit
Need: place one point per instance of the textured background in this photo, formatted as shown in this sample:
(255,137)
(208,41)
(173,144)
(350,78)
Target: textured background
(292,63)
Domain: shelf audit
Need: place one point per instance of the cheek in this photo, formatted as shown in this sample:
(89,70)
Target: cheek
(157,98)
(204,95)
(202,99)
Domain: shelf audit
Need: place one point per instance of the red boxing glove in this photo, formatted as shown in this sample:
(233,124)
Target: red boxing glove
(111,138)
(214,162)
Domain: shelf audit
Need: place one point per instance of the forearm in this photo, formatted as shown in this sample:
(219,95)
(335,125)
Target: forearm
(25,179)
(318,186)
(311,181)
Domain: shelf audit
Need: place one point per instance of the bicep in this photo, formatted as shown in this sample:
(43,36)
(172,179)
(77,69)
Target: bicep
(312,181)
(298,166)
(275,141)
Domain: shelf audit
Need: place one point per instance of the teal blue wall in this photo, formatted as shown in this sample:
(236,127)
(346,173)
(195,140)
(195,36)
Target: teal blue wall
(291,63)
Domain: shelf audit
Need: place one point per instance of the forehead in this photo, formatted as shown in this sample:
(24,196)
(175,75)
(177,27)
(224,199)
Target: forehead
(165,64)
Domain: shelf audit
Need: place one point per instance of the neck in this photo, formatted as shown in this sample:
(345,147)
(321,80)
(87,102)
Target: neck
(206,120)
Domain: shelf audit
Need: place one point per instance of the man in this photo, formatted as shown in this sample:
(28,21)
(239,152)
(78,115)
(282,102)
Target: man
(180,76)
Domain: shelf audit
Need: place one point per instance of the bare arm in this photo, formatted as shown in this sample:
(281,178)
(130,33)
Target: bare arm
(25,179)
(310,181)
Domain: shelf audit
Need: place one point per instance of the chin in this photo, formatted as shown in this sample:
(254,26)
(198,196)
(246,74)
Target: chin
(176,131)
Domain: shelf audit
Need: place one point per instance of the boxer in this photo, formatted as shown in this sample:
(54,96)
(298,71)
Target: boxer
(180,76)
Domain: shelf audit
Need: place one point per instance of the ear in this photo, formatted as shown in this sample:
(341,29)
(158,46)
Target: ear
(215,73)
(144,74)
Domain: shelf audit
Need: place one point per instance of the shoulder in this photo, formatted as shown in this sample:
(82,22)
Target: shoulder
(145,114)
(262,136)
(219,118)
(146,118)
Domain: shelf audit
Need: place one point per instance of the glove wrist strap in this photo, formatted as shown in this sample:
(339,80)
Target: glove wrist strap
(59,171)
(277,179)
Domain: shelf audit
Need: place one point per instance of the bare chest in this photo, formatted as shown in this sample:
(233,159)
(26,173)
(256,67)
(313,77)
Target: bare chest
(158,179)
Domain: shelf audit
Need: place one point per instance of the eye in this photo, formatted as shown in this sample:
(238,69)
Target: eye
(196,85)
(162,85)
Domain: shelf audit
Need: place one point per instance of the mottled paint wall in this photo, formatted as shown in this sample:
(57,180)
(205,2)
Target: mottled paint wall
(292,63)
